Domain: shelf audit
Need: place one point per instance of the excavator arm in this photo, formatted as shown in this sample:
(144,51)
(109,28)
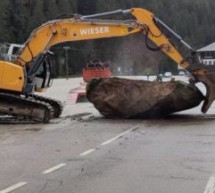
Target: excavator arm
(77,28)
(90,27)
(193,63)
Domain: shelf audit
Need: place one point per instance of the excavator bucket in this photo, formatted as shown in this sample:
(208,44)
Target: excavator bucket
(209,81)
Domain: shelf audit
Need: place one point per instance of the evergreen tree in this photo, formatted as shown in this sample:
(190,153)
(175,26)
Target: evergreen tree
(52,10)
(37,16)
(194,20)
(3,29)
(86,7)
(66,6)
(15,21)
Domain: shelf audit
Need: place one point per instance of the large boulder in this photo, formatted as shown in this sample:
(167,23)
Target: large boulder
(125,98)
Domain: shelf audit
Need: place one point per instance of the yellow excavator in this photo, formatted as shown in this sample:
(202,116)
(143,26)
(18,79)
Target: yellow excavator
(31,70)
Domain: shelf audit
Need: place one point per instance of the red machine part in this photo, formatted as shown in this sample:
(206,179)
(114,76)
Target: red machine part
(91,73)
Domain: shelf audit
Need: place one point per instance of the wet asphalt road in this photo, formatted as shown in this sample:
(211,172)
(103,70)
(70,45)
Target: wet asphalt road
(84,153)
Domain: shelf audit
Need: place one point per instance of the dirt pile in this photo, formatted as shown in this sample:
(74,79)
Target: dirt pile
(125,98)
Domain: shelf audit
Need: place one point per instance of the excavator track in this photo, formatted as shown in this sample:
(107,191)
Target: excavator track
(19,108)
(56,104)
(16,120)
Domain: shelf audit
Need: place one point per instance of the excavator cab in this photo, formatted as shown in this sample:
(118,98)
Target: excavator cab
(43,77)
(40,73)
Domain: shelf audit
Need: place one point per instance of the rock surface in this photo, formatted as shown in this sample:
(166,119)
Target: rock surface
(125,98)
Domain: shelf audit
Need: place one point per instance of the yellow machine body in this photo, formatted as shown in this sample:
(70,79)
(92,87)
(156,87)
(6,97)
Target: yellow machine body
(11,77)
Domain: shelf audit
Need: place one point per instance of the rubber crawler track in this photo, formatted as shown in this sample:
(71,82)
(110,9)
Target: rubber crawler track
(31,103)
(56,104)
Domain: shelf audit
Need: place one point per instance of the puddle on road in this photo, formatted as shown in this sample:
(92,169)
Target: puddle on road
(78,116)
(33,129)
(182,120)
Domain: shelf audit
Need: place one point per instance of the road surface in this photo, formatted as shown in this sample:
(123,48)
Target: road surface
(82,152)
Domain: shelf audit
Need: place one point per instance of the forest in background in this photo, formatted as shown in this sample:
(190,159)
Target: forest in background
(194,20)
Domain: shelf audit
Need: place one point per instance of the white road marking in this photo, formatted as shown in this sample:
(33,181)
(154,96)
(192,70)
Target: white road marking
(14,187)
(210,188)
(118,136)
(52,169)
(87,152)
